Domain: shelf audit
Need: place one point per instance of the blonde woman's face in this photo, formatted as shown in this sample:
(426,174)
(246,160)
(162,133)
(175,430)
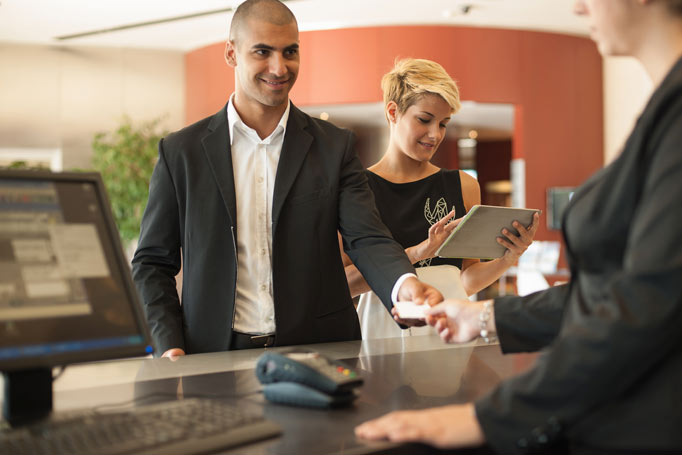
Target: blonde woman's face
(421,128)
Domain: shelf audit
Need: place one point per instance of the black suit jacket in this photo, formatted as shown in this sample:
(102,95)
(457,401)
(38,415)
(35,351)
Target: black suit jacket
(610,372)
(319,188)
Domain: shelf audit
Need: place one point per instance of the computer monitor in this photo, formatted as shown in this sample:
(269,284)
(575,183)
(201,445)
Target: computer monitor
(557,201)
(66,293)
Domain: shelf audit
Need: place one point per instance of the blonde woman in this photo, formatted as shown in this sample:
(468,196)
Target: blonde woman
(415,198)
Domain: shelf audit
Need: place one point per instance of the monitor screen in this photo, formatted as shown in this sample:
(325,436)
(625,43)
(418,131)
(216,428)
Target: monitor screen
(66,294)
(557,201)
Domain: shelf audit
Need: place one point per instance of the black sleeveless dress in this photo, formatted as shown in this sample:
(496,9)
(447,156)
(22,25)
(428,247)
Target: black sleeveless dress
(409,209)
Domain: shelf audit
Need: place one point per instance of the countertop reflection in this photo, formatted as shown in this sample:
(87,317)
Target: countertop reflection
(399,373)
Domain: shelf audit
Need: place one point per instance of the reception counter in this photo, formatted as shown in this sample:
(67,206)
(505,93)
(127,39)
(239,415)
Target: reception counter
(399,373)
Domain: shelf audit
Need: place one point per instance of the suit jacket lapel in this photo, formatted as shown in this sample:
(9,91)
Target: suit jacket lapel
(294,150)
(218,152)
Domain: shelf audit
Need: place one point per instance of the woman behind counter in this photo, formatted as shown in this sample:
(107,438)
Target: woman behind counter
(608,378)
(415,198)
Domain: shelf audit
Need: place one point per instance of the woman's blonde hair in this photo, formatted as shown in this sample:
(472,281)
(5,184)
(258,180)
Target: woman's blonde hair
(412,78)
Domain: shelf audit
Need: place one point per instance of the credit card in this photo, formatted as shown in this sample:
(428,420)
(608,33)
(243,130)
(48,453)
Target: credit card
(410,310)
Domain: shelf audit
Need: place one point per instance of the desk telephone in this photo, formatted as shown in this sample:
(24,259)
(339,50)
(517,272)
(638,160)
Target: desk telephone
(306,378)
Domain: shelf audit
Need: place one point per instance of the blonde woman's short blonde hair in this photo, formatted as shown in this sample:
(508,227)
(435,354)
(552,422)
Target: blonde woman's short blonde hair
(412,78)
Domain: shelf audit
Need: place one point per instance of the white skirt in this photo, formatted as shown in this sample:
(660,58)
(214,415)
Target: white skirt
(377,322)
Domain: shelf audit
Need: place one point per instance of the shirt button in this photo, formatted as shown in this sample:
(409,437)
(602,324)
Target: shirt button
(263,251)
(263,287)
(259,180)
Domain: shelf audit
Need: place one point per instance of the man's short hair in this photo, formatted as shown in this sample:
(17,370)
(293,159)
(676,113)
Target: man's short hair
(272,11)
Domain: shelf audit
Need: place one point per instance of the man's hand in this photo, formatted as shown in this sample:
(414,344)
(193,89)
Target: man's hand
(173,353)
(413,290)
(407,322)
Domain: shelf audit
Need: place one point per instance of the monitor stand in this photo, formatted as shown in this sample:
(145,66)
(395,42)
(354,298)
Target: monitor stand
(28,395)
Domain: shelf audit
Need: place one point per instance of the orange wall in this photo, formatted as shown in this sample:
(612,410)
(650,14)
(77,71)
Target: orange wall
(554,81)
(208,82)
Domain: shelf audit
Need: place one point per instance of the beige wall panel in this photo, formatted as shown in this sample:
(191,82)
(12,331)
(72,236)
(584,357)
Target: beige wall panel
(154,86)
(29,96)
(59,97)
(92,92)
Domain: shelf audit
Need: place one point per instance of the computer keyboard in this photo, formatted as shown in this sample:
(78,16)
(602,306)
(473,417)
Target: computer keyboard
(189,426)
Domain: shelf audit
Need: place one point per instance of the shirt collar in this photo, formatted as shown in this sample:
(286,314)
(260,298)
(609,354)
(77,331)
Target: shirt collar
(234,119)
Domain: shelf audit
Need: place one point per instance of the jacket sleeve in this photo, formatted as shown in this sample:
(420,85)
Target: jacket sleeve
(603,351)
(366,240)
(530,323)
(157,260)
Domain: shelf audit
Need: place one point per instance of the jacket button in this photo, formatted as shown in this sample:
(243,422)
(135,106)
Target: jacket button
(554,424)
(539,436)
(522,443)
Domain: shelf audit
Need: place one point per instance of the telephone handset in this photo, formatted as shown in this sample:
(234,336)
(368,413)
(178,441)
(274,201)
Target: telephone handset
(306,378)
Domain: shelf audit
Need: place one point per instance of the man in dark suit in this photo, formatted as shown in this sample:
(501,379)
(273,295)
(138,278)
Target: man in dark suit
(250,200)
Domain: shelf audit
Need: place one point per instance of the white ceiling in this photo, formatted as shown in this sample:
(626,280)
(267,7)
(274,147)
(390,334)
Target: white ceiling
(42,21)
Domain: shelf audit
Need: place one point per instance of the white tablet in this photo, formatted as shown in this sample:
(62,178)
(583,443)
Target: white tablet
(475,236)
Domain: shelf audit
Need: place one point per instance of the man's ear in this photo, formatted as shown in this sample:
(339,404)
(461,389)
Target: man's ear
(391,111)
(230,53)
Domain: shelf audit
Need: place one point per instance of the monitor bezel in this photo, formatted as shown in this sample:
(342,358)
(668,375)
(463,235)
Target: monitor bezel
(109,353)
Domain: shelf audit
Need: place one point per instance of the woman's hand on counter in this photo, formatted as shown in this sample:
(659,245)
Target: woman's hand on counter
(445,427)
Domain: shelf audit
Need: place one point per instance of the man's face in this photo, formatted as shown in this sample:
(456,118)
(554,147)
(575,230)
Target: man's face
(266,59)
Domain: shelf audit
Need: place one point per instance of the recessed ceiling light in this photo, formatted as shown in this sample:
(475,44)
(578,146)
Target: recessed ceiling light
(459,10)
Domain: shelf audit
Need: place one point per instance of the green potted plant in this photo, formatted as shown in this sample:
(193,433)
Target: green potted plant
(125,158)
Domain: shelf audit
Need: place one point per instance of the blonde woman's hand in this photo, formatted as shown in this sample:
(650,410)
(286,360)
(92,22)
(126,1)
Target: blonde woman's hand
(438,233)
(516,245)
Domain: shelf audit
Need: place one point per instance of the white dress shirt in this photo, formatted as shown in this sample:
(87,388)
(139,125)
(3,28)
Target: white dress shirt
(254,165)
